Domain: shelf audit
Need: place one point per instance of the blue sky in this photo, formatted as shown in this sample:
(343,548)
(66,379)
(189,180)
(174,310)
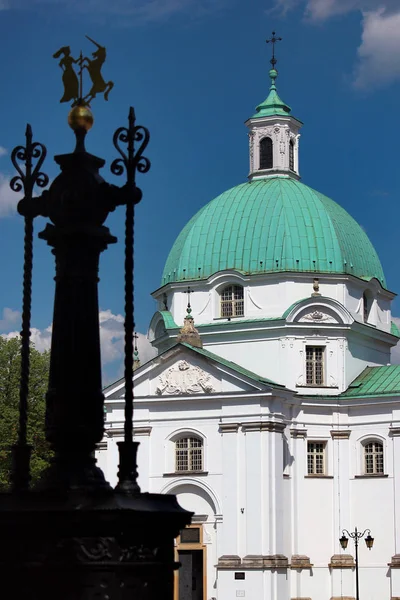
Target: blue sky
(194,71)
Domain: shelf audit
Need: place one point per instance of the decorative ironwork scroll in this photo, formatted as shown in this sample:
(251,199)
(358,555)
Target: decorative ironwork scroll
(130,161)
(26,180)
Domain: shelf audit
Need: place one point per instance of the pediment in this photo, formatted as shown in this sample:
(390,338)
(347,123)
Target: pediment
(319,310)
(182,371)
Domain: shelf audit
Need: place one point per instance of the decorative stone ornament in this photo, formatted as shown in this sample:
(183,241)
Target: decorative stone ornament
(184,378)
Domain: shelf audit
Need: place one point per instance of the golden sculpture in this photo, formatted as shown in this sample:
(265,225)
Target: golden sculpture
(73,81)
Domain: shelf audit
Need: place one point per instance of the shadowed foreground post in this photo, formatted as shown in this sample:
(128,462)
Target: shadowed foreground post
(73,536)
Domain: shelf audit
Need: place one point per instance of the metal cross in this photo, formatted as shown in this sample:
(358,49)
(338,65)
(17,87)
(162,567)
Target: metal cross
(188,292)
(273,41)
(135,337)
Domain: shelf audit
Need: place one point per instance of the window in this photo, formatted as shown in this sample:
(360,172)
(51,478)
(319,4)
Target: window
(314,365)
(266,161)
(373,458)
(232,301)
(291,155)
(316,458)
(189,454)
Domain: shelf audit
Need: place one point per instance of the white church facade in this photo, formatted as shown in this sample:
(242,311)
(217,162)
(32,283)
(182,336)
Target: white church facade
(271,409)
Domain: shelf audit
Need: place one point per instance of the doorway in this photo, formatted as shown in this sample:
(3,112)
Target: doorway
(190,579)
(190,575)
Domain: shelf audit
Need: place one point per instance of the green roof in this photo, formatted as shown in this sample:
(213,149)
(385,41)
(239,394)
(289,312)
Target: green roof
(273,105)
(394,330)
(375,381)
(168,319)
(232,365)
(268,225)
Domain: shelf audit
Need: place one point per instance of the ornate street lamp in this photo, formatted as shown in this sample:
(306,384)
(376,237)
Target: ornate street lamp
(73,536)
(356,536)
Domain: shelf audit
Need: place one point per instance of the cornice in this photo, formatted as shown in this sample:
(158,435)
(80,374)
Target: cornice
(298,433)
(272,426)
(229,427)
(119,431)
(340,434)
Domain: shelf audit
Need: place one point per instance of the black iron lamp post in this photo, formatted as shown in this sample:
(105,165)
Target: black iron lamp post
(74,537)
(356,536)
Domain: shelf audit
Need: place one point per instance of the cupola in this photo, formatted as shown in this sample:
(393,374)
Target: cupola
(273,134)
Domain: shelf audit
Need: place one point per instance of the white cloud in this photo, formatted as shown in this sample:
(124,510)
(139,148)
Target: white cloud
(10,318)
(111,336)
(379,53)
(378,59)
(3,150)
(8,198)
(112,339)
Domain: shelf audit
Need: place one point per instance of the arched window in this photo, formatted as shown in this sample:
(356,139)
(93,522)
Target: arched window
(266,161)
(291,155)
(373,458)
(189,454)
(232,301)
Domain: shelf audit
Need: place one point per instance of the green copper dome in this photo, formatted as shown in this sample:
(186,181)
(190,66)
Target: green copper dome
(272,225)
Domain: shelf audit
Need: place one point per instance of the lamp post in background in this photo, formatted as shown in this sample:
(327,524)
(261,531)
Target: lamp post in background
(356,536)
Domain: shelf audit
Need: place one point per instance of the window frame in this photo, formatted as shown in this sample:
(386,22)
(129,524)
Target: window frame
(374,473)
(267,153)
(233,302)
(314,364)
(313,472)
(190,452)
(291,155)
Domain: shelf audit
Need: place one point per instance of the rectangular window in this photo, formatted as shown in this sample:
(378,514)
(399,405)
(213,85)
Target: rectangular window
(316,458)
(314,365)
(189,454)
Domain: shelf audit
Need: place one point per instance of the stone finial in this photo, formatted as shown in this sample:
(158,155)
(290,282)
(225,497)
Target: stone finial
(189,334)
(136,359)
(316,291)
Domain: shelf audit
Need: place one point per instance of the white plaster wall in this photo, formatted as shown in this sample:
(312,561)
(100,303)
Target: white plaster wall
(271,294)
(287,515)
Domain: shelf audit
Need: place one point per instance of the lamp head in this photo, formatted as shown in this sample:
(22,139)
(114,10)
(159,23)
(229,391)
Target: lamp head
(369,541)
(344,541)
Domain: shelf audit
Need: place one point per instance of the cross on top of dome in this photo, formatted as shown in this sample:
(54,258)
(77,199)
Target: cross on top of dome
(273,41)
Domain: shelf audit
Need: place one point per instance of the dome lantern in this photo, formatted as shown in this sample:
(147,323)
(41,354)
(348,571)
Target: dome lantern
(273,134)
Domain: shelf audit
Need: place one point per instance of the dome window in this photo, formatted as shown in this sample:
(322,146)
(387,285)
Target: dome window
(266,161)
(315,365)
(232,301)
(291,155)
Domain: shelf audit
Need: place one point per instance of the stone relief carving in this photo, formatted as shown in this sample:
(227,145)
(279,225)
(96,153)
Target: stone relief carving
(317,317)
(264,131)
(184,378)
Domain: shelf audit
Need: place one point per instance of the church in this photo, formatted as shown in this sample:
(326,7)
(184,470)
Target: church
(271,409)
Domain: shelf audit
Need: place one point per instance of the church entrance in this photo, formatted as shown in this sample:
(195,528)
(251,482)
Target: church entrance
(190,580)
